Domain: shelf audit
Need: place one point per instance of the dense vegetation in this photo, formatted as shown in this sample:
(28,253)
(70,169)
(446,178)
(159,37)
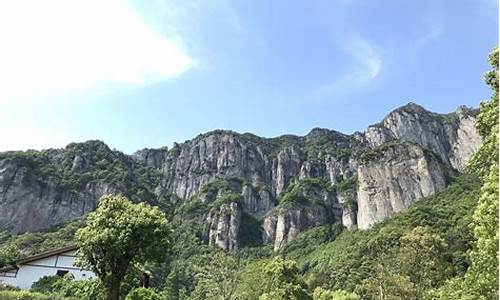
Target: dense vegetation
(80,163)
(350,263)
(481,279)
(442,247)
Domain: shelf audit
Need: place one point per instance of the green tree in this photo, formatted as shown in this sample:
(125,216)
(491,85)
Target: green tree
(142,294)
(422,258)
(216,280)
(8,254)
(419,263)
(322,294)
(385,284)
(45,284)
(119,235)
(283,281)
(481,279)
(483,272)
(252,282)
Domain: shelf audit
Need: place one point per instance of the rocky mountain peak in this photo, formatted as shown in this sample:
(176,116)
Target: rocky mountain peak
(234,183)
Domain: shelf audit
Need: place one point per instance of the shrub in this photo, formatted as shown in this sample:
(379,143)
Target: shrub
(45,284)
(143,294)
(23,295)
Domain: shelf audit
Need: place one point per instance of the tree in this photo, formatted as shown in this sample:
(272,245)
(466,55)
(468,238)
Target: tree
(8,254)
(283,281)
(252,281)
(481,279)
(422,258)
(216,279)
(385,284)
(483,272)
(322,294)
(120,235)
(419,263)
(143,294)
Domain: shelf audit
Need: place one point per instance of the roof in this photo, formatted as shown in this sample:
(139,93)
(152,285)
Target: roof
(37,257)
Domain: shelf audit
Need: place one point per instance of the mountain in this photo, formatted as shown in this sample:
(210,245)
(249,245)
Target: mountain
(246,190)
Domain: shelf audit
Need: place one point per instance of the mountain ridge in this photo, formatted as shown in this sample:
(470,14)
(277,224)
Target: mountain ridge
(232,178)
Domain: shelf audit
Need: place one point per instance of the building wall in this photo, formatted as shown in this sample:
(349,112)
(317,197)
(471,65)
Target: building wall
(32,271)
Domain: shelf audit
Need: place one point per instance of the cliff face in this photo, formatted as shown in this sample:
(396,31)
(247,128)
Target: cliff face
(393,178)
(285,184)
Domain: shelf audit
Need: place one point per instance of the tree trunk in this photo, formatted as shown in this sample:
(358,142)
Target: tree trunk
(114,290)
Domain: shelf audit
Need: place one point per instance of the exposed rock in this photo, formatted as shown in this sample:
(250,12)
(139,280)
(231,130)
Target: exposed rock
(286,221)
(256,201)
(223,225)
(393,179)
(348,201)
(287,166)
(446,135)
(30,204)
(36,194)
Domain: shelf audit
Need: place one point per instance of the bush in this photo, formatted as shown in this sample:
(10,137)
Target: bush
(23,295)
(45,284)
(322,294)
(143,294)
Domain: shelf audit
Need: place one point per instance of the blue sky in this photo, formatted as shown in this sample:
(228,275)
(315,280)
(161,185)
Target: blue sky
(141,74)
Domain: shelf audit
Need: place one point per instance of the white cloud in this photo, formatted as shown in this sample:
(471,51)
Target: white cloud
(65,45)
(366,66)
(23,137)
(433,29)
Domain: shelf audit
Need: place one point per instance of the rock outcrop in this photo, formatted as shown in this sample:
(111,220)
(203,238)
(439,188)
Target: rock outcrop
(223,225)
(414,150)
(31,204)
(453,137)
(393,178)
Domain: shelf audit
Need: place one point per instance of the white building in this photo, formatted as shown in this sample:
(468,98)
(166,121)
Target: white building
(59,262)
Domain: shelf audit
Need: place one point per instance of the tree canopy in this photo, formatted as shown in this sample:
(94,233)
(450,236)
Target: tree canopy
(120,236)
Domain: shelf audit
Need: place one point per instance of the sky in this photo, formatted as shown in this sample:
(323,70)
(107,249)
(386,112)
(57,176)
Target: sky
(139,74)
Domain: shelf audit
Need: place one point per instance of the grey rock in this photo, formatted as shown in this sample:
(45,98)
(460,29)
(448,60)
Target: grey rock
(223,225)
(396,178)
(261,170)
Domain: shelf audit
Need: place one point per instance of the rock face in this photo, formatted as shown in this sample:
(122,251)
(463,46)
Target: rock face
(395,178)
(223,225)
(452,137)
(310,205)
(357,179)
(28,204)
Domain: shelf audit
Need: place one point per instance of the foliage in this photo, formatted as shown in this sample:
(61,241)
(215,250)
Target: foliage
(24,295)
(308,241)
(271,279)
(352,258)
(120,235)
(96,162)
(224,199)
(346,184)
(214,186)
(283,281)
(419,247)
(481,279)
(375,153)
(45,284)
(18,246)
(216,280)
(78,289)
(322,294)
(301,191)
(143,294)
(487,124)
(250,234)
(8,254)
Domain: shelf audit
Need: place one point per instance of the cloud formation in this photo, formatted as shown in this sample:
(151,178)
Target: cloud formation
(366,66)
(64,45)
